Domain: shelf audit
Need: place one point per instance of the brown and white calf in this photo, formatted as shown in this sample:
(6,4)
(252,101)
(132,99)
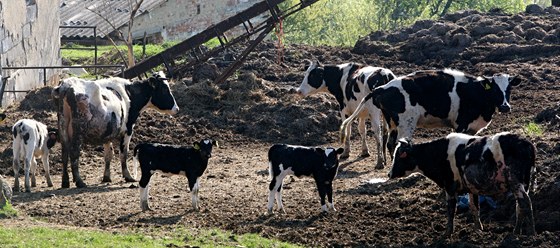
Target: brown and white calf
(319,163)
(349,83)
(437,98)
(31,139)
(175,160)
(460,163)
(103,112)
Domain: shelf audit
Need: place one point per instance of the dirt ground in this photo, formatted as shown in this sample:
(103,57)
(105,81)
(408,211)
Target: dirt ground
(258,107)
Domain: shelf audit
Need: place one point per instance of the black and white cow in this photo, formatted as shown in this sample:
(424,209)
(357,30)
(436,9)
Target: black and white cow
(32,139)
(103,112)
(438,98)
(319,163)
(350,83)
(460,163)
(171,159)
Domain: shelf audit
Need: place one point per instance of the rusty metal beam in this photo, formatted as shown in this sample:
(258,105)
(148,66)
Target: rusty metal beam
(199,38)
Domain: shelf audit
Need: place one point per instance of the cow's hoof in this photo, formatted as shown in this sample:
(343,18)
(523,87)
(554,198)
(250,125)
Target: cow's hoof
(15,189)
(365,155)
(106,179)
(65,184)
(80,184)
(28,190)
(128,179)
(379,166)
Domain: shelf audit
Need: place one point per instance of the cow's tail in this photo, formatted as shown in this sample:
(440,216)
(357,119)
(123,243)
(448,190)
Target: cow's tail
(344,126)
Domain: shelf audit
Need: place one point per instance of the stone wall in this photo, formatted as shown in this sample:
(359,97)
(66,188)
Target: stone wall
(29,36)
(181,19)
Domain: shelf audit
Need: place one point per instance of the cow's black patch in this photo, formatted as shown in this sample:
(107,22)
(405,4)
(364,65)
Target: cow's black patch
(25,138)
(475,101)
(352,82)
(376,80)
(520,156)
(431,90)
(332,77)
(40,137)
(316,77)
(161,95)
(105,97)
(111,126)
(15,132)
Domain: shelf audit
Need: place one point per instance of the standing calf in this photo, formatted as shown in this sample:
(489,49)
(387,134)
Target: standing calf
(321,164)
(31,139)
(170,159)
(460,163)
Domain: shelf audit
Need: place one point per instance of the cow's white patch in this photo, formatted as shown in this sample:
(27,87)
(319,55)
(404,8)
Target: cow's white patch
(206,142)
(328,151)
(455,140)
(376,180)
(502,80)
(304,88)
(458,75)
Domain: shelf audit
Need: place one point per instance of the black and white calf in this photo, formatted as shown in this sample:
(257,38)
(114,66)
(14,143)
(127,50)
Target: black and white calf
(350,83)
(460,163)
(171,159)
(438,98)
(319,163)
(104,112)
(31,139)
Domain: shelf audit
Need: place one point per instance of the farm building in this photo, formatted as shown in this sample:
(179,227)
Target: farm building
(28,37)
(159,20)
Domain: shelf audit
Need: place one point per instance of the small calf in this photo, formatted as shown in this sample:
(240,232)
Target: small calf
(32,139)
(171,159)
(321,164)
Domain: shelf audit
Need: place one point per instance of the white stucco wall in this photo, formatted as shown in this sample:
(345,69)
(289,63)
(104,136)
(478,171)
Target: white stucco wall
(181,19)
(29,36)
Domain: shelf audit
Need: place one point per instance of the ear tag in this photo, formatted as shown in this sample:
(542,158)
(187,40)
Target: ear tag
(196,147)
(487,86)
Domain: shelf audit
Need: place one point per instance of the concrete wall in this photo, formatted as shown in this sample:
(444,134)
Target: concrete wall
(29,36)
(181,19)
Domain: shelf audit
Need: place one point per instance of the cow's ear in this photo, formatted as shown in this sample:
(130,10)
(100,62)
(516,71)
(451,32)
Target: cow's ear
(196,146)
(53,136)
(514,81)
(215,143)
(319,150)
(339,150)
(403,155)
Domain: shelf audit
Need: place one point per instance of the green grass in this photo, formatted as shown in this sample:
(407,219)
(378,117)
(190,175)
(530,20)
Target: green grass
(55,237)
(77,55)
(534,129)
(8,211)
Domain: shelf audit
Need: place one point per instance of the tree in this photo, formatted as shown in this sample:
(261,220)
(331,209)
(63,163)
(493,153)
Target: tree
(134,6)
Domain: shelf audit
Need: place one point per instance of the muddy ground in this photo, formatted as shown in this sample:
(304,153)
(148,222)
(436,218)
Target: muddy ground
(258,107)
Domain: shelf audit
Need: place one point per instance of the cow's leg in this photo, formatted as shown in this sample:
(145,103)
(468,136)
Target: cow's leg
(107,155)
(194,187)
(363,134)
(451,205)
(65,156)
(272,187)
(346,152)
(377,134)
(279,201)
(144,184)
(330,203)
(523,210)
(475,210)
(45,159)
(123,149)
(15,166)
(322,188)
(27,166)
(33,171)
(74,154)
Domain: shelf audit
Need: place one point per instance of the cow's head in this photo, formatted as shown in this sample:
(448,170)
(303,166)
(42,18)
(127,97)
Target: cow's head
(499,86)
(205,147)
(404,163)
(162,99)
(313,80)
(331,156)
(53,137)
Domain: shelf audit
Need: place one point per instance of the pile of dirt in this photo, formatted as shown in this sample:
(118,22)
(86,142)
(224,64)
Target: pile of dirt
(471,36)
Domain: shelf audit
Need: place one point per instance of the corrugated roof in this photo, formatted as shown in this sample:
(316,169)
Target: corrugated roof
(84,13)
